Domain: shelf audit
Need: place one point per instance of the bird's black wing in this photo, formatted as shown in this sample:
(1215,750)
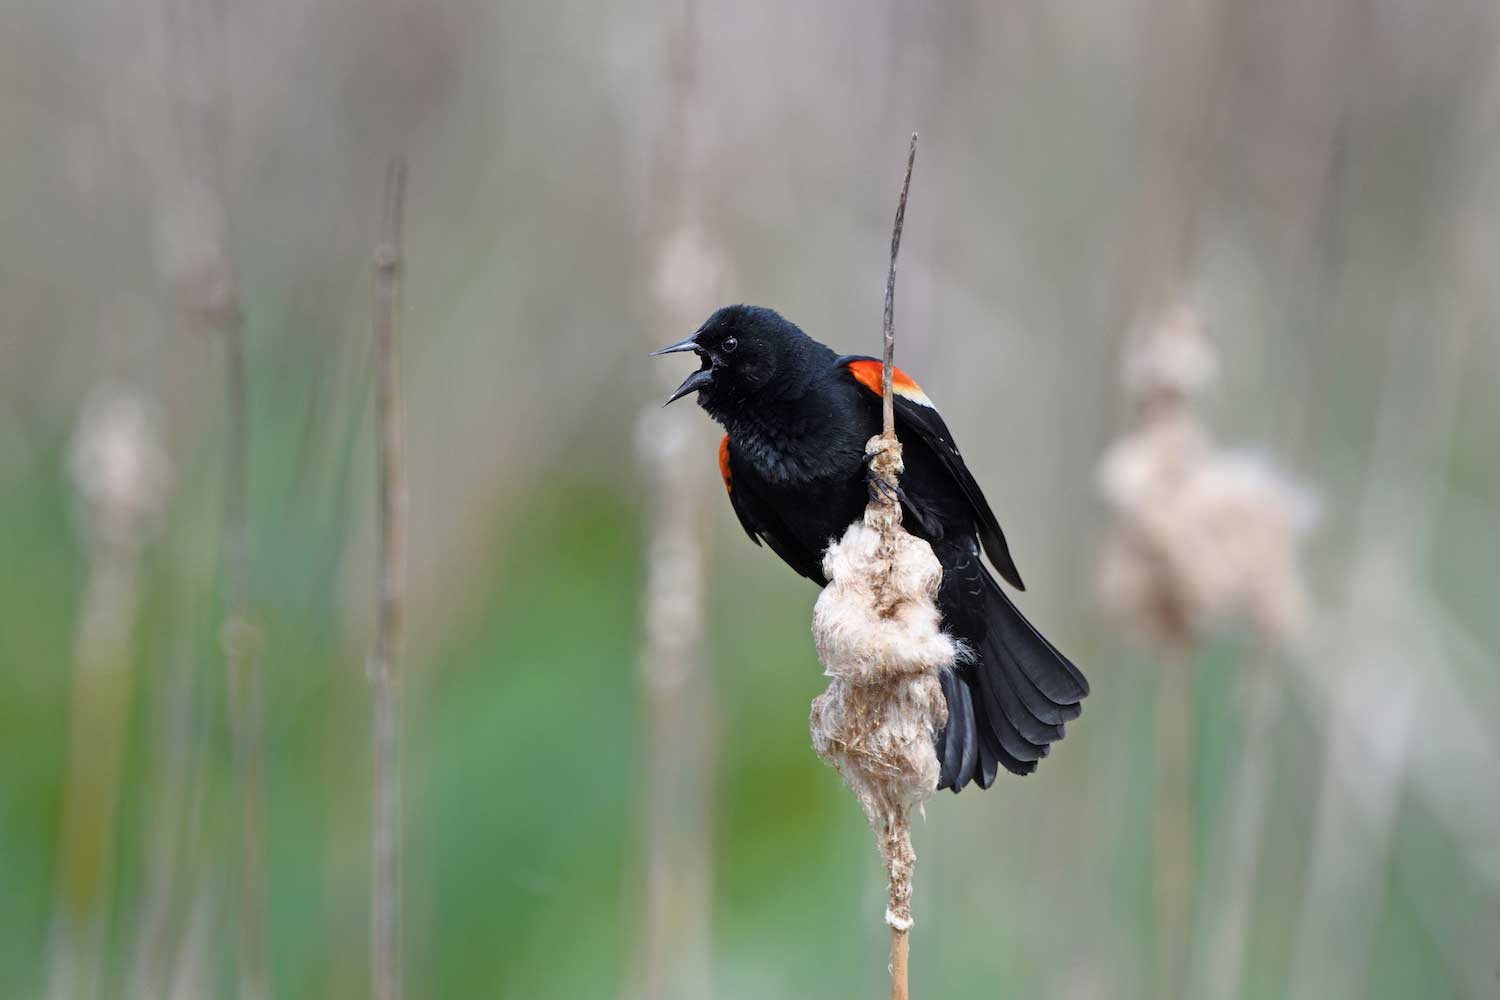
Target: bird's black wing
(915,415)
(1012,694)
(761,522)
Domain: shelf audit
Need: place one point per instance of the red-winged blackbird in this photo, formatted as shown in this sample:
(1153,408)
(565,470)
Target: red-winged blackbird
(798,417)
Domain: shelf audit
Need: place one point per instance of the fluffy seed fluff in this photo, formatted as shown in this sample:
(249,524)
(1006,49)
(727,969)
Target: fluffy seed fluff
(1203,534)
(121,470)
(879,637)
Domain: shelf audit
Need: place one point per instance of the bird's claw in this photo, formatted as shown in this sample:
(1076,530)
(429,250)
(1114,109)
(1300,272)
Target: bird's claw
(882,489)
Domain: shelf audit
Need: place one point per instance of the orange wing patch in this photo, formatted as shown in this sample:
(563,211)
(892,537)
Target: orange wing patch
(871,374)
(724,465)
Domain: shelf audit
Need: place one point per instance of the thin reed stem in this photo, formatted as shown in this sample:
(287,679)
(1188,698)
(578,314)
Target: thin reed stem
(243,681)
(900,951)
(673,937)
(898,889)
(888,412)
(1173,838)
(385,678)
(1220,969)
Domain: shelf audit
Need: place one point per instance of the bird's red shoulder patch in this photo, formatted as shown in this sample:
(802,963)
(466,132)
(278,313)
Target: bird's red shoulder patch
(871,375)
(724,465)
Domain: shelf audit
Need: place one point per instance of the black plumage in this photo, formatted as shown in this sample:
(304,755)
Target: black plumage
(797,417)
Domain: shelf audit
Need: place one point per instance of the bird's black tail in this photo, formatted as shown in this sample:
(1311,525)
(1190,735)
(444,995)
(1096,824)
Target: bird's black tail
(1007,705)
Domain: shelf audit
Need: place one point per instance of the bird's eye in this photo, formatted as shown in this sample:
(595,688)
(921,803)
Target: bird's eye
(729,345)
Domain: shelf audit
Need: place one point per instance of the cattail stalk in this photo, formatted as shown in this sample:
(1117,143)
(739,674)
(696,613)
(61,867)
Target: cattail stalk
(876,626)
(198,265)
(1227,923)
(678,725)
(1203,535)
(122,478)
(1188,90)
(900,936)
(673,943)
(1373,731)
(1173,833)
(193,969)
(384,672)
(887,397)
(244,685)
(98,709)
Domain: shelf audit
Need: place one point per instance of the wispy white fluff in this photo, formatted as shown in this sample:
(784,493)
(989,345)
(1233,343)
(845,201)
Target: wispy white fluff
(1172,357)
(877,630)
(120,466)
(1203,534)
(878,618)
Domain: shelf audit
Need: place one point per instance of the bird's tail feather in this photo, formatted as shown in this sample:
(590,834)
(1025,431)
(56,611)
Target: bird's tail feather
(1012,698)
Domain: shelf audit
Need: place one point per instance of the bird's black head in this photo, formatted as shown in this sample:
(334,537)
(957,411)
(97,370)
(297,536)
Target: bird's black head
(744,350)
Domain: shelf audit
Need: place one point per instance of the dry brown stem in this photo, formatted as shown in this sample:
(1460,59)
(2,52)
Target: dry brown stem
(900,950)
(887,401)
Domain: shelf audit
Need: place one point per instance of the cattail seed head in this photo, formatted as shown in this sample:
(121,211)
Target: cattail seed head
(192,245)
(1202,534)
(878,635)
(120,468)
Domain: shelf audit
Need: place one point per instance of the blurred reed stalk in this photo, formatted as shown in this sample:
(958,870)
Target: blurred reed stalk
(197,263)
(245,687)
(390,582)
(677,718)
(1159,610)
(174,850)
(1391,660)
(122,478)
(1173,830)
(1203,536)
(193,972)
(1235,843)
(1188,89)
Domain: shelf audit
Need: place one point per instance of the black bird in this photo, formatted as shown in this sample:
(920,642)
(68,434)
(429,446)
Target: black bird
(793,461)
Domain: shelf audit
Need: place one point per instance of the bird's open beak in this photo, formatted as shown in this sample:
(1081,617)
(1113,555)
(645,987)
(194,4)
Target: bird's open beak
(693,382)
(689,344)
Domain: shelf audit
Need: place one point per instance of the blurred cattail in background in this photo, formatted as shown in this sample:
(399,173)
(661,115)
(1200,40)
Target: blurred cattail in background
(1203,537)
(384,665)
(122,478)
(192,241)
(691,272)
(1387,660)
(195,260)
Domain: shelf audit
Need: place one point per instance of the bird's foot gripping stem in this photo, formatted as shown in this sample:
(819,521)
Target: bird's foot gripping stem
(883,468)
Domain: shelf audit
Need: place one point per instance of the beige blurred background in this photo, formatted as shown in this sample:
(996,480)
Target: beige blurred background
(609,788)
